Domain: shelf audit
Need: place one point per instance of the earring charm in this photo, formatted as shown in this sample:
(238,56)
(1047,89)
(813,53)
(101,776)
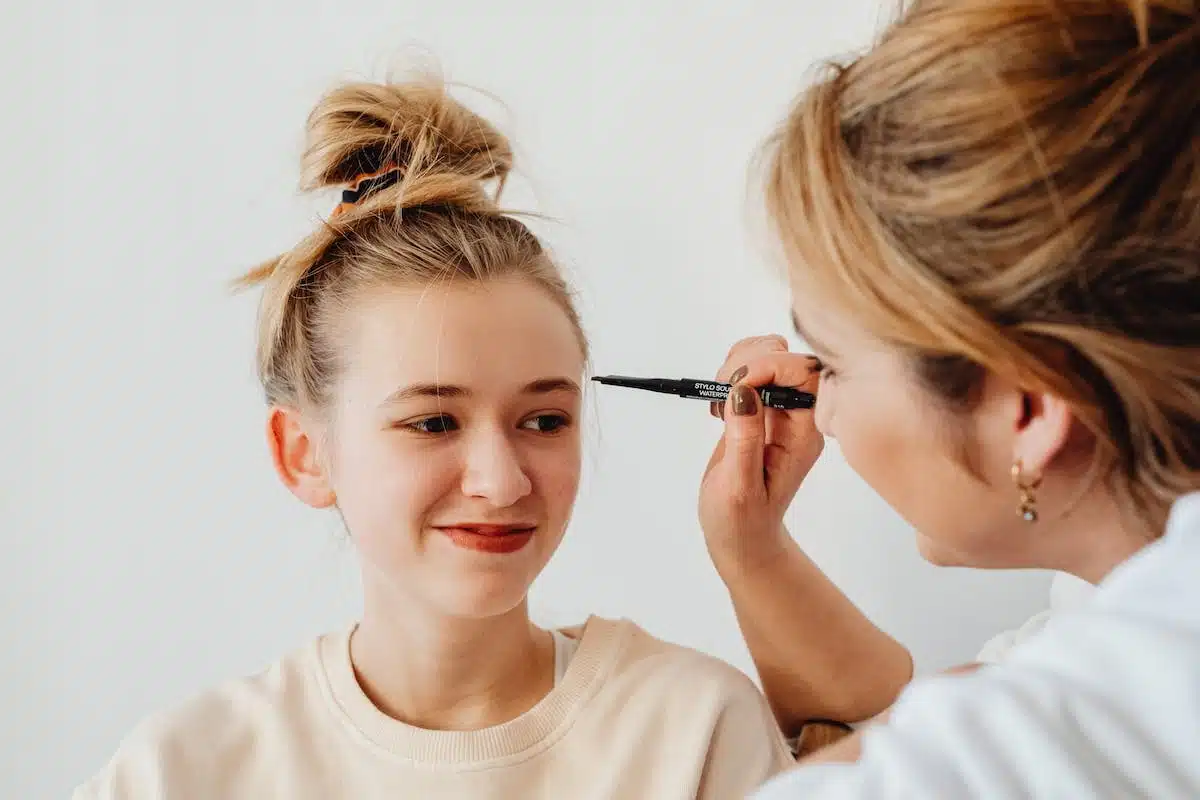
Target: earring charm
(1027,504)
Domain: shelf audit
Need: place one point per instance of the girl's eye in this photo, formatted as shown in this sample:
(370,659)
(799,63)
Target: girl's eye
(546,423)
(823,369)
(434,425)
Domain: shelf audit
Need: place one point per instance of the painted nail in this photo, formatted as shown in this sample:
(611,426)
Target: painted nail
(745,400)
(738,374)
(717,410)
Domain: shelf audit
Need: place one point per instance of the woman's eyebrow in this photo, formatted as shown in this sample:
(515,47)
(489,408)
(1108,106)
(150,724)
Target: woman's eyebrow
(817,346)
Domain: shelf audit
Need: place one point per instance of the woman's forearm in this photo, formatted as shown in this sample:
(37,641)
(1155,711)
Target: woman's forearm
(817,655)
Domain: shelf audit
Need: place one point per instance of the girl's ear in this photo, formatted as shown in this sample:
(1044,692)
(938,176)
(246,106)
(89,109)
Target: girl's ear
(297,460)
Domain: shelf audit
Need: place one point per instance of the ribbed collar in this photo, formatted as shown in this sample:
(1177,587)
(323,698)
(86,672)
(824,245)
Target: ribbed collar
(519,738)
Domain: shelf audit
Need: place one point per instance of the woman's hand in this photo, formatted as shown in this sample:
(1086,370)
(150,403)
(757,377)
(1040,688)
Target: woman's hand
(761,459)
(817,736)
(818,656)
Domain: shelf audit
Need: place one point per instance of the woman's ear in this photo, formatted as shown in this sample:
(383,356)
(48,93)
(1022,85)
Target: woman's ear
(297,458)
(1042,430)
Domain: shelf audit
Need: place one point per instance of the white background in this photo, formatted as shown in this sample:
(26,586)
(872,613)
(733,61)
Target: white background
(150,155)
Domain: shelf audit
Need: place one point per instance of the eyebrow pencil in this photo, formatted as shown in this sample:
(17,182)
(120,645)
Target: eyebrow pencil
(712,391)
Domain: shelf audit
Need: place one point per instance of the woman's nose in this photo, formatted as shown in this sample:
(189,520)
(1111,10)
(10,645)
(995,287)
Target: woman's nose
(823,414)
(494,471)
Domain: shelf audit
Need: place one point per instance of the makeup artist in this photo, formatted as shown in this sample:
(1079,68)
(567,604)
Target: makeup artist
(992,226)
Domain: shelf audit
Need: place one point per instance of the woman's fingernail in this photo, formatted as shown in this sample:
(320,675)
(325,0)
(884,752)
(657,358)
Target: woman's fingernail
(738,374)
(717,410)
(745,400)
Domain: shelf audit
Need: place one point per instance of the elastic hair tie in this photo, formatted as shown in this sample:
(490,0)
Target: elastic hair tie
(364,186)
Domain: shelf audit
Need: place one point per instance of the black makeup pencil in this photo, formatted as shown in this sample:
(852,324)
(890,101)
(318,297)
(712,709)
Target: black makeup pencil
(711,391)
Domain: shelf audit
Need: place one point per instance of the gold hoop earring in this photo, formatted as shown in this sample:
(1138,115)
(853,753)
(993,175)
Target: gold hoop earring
(1027,505)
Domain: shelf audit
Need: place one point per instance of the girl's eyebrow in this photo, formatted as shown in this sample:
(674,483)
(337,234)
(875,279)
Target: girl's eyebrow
(417,390)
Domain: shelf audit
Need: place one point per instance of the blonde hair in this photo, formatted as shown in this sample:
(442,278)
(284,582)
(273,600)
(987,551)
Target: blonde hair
(1014,186)
(438,223)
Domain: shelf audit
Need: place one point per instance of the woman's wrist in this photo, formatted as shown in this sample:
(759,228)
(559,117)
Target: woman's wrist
(749,555)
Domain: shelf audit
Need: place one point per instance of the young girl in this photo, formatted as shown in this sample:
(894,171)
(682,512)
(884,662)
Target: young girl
(423,363)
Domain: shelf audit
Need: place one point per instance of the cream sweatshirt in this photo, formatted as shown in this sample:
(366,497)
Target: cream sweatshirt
(632,717)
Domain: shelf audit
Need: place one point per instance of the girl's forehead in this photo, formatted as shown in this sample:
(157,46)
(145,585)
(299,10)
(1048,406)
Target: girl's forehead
(495,336)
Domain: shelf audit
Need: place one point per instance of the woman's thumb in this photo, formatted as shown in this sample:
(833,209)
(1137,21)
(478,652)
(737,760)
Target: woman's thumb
(745,438)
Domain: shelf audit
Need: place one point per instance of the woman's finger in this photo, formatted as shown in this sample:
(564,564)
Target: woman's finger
(747,349)
(789,456)
(743,351)
(745,440)
(794,370)
(779,369)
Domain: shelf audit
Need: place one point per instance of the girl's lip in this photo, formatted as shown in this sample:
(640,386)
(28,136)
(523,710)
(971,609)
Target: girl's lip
(484,529)
(495,539)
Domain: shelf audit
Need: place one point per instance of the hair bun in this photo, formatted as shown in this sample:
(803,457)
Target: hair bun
(445,151)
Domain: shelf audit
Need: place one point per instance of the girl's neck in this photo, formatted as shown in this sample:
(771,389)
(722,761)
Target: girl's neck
(451,673)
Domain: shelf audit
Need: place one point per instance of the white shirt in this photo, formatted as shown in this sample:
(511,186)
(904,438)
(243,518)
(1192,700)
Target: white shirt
(1066,593)
(1103,702)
